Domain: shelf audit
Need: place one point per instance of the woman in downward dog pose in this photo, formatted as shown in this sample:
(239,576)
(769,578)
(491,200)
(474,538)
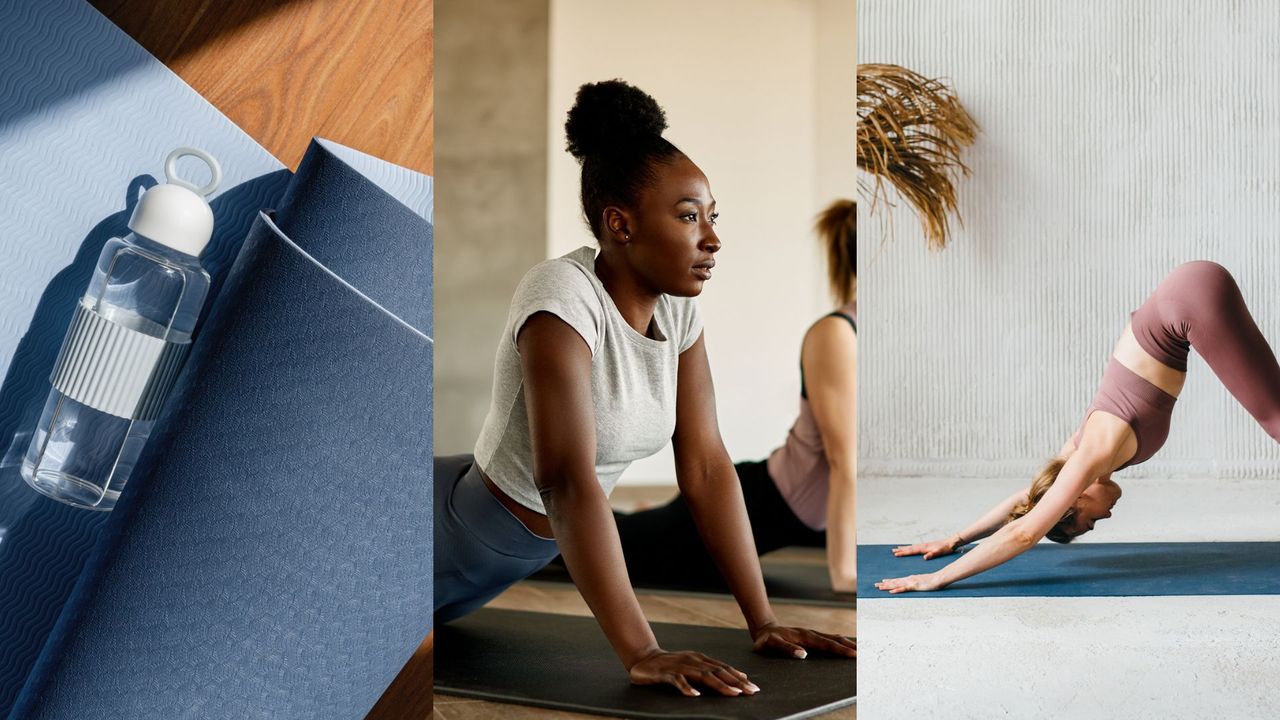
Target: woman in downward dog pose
(601,363)
(1197,306)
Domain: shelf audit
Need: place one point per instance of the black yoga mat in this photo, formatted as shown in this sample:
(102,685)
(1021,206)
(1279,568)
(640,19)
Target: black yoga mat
(565,662)
(1095,570)
(786,581)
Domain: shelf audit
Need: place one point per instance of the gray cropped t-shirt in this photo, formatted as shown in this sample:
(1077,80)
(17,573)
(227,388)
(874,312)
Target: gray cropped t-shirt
(633,377)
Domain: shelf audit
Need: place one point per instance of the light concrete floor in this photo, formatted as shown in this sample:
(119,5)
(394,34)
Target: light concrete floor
(542,597)
(1157,657)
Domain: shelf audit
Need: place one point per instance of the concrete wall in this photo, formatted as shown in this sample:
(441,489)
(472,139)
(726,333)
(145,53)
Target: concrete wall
(491,170)
(1119,139)
(748,93)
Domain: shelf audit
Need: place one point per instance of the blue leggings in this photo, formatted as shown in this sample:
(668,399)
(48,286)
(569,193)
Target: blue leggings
(481,548)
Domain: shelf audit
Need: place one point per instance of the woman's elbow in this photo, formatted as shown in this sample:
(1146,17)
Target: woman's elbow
(1022,536)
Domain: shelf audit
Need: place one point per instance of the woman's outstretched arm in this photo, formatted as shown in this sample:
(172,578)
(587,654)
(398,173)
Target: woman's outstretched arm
(830,359)
(556,363)
(711,488)
(990,522)
(1015,538)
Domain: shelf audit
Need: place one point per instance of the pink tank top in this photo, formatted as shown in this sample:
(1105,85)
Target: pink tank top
(799,468)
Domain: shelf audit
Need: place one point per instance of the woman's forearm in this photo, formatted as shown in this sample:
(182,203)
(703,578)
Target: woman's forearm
(720,513)
(842,543)
(992,520)
(1007,543)
(588,540)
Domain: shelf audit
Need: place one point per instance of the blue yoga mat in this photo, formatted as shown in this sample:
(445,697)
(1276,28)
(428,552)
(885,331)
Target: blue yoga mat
(271,556)
(1094,570)
(87,117)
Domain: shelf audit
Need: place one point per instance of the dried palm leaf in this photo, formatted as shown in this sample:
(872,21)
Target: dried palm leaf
(911,130)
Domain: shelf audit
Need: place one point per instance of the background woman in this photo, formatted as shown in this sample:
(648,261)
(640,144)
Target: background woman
(1198,305)
(804,494)
(602,363)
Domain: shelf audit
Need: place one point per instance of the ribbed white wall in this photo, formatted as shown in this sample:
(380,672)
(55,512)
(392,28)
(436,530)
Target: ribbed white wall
(1119,139)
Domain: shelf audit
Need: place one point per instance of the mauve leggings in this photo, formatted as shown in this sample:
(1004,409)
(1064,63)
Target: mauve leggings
(1199,305)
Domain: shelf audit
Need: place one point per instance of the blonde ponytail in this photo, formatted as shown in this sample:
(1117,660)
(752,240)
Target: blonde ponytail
(1044,480)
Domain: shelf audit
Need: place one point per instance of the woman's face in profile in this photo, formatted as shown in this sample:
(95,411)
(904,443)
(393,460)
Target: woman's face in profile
(673,239)
(1094,504)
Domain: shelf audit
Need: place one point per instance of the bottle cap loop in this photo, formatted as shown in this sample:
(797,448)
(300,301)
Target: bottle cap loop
(171,170)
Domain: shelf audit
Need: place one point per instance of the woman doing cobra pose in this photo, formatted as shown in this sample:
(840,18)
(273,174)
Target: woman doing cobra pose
(1197,306)
(803,494)
(601,363)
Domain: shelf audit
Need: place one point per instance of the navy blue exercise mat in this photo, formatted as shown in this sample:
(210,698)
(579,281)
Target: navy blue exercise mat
(1094,570)
(272,557)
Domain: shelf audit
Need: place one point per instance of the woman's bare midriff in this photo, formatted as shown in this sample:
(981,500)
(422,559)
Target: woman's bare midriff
(536,522)
(1131,355)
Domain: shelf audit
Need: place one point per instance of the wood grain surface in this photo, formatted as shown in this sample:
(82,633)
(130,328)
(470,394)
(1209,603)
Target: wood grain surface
(409,697)
(358,72)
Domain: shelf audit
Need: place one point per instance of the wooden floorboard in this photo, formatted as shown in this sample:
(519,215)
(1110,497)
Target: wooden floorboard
(359,73)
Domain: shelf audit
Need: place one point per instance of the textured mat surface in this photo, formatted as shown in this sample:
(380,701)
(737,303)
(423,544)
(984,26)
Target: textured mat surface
(1097,570)
(86,120)
(211,606)
(274,560)
(790,582)
(565,662)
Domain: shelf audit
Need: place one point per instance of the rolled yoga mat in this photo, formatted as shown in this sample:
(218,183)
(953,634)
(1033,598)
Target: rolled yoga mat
(87,117)
(1094,570)
(564,662)
(272,557)
(787,581)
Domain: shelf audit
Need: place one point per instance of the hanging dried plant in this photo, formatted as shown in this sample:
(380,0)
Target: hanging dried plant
(911,130)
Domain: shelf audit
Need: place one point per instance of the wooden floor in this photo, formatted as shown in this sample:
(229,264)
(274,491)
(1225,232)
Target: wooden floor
(544,597)
(358,73)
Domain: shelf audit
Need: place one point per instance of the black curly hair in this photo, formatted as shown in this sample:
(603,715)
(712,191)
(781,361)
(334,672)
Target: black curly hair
(615,131)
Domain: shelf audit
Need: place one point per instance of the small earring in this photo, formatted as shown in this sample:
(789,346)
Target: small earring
(626,236)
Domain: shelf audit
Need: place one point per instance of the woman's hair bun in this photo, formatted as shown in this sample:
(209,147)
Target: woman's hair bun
(612,116)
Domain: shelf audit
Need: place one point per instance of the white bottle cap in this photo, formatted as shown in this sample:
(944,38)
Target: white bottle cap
(176,214)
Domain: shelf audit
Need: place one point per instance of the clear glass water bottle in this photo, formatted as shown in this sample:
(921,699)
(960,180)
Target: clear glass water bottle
(127,342)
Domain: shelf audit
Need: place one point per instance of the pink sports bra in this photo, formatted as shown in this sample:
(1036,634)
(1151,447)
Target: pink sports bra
(1134,399)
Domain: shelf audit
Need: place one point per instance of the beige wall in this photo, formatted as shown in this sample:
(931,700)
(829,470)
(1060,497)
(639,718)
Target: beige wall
(837,101)
(491,158)
(753,94)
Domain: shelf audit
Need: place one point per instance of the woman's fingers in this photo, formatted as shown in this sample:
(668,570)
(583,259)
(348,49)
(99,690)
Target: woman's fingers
(814,640)
(709,677)
(726,667)
(681,684)
(685,670)
(738,679)
(726,674)
(781,645)
(895,585)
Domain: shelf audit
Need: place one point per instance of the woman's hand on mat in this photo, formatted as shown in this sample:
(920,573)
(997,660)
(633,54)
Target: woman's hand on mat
(911,583)
(683,669)
(796,642)
(930,550)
